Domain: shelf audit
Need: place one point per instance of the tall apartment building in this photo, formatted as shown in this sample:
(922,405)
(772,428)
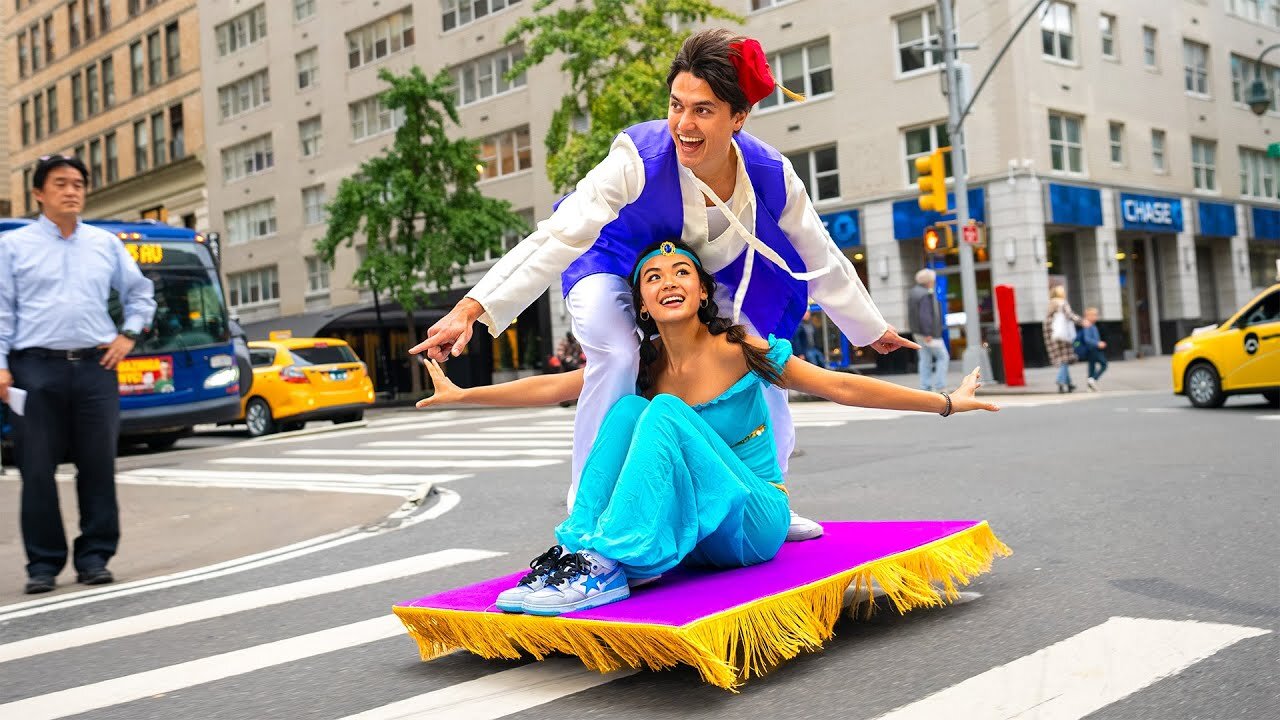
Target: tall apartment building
(1110,151)
(116,84)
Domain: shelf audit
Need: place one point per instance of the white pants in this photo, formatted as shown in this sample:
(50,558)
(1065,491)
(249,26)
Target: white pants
(602,320)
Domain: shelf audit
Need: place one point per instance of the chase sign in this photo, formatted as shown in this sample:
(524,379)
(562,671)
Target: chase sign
(1149,212)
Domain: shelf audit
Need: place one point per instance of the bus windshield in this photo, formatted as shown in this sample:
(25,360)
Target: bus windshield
(189,309)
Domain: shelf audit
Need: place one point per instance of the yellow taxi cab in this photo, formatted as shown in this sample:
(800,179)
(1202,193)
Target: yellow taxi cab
(300,379)
(1240,356)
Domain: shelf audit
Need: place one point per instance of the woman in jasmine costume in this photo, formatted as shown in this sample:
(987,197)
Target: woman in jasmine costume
(686,470)
(697,176)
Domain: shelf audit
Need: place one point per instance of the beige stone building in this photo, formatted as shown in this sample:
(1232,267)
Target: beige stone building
(118,85)
(1110,151)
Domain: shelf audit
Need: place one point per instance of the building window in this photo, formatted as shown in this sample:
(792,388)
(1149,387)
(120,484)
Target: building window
(511,237)
(77,98)
(136,68)
(317,276)
(1195,61)
(89,12)
(313,212)
(173,50)
(154,53)
(177,133)
(27,203)
(108,82)
(1203,164)
(303,9)
(253,287)
(369,118)
(1244,70)
(1107,30)
(135,7)
(380,38)
(506,153)
(92,88)
(1258,175)
(51,103)
(251,222)
(486,77)
(104,15)
(95,163)
(804,70)
(22,55)
(247,93)
(456,13)
(1115,137)
(1157,150)
(1066,144)
(37,106)
(1149,47)
(113,158)
(48,39)
(34,33)
(919,142)
(241,31)
(308,62)
(915,31)
(248,158)
(73,23)
(140,147)
(1057,31)
(157,139)
(310,137)
(820,171)
(1264,11)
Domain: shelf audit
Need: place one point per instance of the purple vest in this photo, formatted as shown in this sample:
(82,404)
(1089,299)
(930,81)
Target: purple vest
(775,301)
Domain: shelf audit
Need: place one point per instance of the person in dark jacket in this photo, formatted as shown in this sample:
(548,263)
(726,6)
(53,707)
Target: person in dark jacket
(1093,346)
(925,316)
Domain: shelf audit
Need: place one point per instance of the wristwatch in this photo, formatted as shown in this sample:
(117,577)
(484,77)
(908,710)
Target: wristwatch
(130,334)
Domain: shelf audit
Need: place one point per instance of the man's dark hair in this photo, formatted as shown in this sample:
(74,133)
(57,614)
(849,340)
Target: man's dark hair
(50,162)
(705,55)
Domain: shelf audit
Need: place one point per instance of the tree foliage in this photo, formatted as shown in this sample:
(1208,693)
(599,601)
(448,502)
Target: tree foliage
(616,54)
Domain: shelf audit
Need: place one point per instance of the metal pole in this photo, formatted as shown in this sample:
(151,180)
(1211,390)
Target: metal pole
(975,353)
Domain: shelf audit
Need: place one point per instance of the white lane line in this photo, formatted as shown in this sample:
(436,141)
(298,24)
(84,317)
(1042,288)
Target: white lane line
(499,436)
(497,695)
(432,441)
(407,462)
(1269,417)
(1078,676)
(412,418)
(282,485)
(251,600)
(96,696)
(266,475)
(406,450)
(425,425)
(528,429)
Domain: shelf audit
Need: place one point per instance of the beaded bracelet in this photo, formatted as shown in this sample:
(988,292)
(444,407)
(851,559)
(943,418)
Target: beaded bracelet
(946,412)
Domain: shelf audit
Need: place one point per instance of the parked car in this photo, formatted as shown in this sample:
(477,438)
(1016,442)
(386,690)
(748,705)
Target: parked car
(1240,356)
(301,379)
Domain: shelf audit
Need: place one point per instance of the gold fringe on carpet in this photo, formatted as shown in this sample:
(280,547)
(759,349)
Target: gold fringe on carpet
(727,648)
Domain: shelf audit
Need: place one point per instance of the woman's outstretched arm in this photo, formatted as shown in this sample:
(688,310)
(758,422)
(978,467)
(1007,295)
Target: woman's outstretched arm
(862,391)
(525,392)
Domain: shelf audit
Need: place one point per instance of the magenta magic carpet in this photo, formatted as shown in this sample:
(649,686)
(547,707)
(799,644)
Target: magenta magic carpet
(729,624)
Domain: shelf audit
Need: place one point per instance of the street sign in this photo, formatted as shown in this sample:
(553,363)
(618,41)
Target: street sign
(1273,150)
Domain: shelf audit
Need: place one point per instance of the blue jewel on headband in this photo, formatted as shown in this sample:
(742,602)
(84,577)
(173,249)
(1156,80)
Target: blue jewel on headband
(666,248)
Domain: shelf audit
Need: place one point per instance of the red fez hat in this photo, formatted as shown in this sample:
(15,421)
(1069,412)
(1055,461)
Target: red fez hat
(754,76)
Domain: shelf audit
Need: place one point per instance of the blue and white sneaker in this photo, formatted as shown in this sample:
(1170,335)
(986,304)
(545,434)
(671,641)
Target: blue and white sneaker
(536,579)
(583,580)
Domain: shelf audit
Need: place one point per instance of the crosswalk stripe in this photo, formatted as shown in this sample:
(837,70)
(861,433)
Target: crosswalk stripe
(497,695)
(545,452)
(129,688)
(528,430)
(470,443)
(496,436)
(406,462)
(1073,678)
(381,478)
(251,600)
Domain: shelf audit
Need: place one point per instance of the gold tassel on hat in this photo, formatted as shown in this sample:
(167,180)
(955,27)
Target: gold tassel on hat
(793,95)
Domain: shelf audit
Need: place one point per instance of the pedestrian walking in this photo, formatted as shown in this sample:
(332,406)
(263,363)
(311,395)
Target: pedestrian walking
(1092,347)
(569,353)
(1059,329)
(60,346)
(805,342)
(925,317)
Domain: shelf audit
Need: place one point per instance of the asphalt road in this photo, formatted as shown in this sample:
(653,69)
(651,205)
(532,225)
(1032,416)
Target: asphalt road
(1121,505)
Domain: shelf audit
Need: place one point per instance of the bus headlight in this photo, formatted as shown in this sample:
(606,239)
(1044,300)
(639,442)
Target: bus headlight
(222,378)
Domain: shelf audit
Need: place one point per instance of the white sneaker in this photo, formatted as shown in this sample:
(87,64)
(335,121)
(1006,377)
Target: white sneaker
(583,580)
(802,529)
(542,566)
(1093,385)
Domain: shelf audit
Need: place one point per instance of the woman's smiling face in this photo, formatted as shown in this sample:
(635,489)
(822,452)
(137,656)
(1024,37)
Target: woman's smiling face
(670,289)
(701,124)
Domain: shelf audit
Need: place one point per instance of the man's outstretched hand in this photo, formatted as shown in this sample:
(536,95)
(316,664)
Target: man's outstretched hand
(891,341)
(449,337)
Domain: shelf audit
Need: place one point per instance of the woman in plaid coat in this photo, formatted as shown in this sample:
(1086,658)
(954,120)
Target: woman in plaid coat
(1061,352)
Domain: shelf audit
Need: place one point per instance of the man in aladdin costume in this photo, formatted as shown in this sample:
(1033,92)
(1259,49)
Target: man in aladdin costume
(734,199)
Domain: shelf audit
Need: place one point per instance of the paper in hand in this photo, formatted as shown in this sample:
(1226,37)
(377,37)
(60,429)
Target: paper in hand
(18,400)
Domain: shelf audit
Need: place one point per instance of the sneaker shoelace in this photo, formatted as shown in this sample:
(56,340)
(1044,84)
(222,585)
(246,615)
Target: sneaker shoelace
(570,566)
(542,565)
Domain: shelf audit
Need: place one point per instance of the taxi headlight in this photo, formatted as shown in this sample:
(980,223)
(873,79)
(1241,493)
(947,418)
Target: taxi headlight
(1183,346)
(222,378)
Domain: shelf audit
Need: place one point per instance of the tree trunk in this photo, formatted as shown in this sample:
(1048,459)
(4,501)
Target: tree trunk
(415,364)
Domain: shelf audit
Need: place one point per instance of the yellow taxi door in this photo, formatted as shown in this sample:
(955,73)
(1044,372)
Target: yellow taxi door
(1258,341)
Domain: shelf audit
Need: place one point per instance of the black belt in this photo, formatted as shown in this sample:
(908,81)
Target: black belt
(92,353)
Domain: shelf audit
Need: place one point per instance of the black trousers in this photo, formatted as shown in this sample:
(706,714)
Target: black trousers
(72,413)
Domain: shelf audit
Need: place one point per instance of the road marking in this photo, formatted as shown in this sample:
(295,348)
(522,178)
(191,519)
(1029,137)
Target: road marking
(107,693)
(418,461)
(436,444)
(251,600)
(541,451)
(531,435)
(425,425)
(497,695)
(377,484)
(1269,417)
(528,430)
(1080,675)
(411,418)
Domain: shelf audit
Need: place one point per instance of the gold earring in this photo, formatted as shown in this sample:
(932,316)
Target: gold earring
(704,302)
(644,315)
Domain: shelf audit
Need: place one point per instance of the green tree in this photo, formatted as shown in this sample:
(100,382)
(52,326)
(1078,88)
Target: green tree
(416,204)
(616,54)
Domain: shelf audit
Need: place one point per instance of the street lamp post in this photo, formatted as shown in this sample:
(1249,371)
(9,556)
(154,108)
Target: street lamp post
(1259,97)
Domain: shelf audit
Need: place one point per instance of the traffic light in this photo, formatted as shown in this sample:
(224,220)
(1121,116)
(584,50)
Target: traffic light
(932,170)
(931,240)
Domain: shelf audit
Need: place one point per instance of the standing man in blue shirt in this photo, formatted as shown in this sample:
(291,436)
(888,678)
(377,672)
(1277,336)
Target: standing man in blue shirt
(59,344)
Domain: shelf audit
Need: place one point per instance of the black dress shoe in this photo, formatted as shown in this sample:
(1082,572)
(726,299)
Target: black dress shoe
(37,584)
(99,576)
